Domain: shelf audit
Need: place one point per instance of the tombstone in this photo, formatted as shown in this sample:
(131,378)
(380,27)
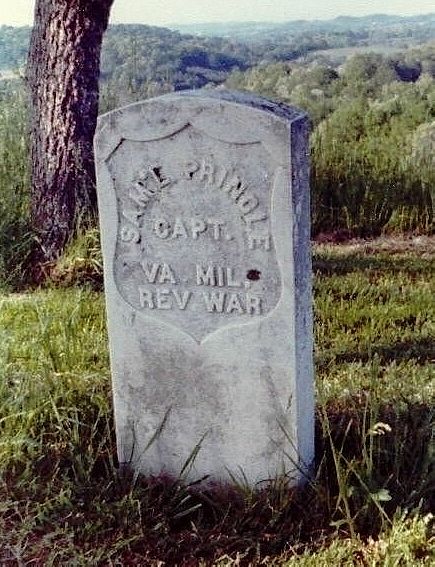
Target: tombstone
(204,211)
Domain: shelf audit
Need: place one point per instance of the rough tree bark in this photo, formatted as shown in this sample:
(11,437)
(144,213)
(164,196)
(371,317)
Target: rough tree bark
(62,73)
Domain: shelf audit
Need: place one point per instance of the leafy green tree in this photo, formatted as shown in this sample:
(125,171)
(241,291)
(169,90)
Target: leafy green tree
(423,156)
(365,74)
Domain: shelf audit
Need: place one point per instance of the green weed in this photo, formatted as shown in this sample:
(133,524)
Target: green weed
(81,263)
(16,238)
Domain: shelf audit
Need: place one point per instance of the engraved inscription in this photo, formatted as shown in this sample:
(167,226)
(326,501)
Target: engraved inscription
(165,298)
(221,302)
(216,276)
(195,230)
(190,228)
(147,185)
(259,241)
(230,183)
(162,272)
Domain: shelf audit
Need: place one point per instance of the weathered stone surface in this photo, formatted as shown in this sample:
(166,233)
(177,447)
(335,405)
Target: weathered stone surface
(204,208)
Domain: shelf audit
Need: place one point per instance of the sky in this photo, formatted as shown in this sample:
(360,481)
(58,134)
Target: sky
(165,12)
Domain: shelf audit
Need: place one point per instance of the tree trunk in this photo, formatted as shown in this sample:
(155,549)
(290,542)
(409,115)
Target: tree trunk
(62,72)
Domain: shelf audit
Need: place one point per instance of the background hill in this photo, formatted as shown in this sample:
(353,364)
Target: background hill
(370,28)
(230,45)
(368,85)
(14,44)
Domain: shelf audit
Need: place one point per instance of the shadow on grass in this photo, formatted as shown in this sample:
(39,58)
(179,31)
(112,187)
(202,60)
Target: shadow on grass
(379,264)
(266,522)
(167,520)
(420,350)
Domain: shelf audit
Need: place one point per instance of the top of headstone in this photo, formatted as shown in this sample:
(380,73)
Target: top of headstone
(230,116)
(280,110)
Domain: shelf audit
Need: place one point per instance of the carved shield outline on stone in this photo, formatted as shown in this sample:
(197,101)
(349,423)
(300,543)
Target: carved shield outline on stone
(280,191)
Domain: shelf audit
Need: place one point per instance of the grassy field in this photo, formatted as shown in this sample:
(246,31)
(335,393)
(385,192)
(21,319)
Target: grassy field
(64,502)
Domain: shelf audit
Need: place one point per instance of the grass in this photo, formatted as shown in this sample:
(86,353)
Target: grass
(16,239)
(63,499)
(375,305)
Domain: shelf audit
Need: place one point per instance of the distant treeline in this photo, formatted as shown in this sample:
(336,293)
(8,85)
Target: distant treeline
(368,30)
(149,59)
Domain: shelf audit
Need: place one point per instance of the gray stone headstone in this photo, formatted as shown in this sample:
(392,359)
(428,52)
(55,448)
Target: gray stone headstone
(204,208)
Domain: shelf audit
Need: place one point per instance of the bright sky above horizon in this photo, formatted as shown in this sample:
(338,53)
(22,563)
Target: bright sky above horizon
(165,12)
